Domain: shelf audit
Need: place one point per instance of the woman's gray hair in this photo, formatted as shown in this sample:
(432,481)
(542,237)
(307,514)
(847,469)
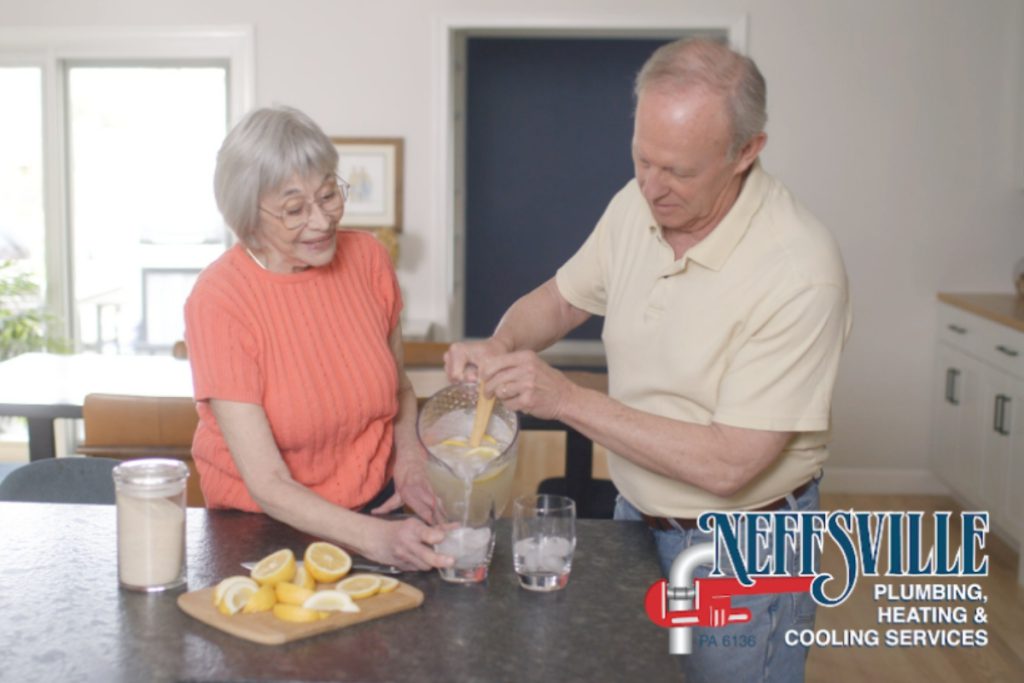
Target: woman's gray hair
(266,148)
(704,63)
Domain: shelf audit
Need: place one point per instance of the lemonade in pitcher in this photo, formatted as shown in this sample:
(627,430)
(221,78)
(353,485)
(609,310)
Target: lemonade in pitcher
(472,484)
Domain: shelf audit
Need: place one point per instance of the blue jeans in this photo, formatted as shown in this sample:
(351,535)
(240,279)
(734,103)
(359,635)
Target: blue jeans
(756,651)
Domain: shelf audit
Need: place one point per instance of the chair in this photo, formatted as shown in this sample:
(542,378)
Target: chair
(129,427)
(595,498)
(61,480)
(424,354)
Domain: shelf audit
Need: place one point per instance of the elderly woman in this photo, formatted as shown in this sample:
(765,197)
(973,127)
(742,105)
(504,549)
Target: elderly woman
(293,334)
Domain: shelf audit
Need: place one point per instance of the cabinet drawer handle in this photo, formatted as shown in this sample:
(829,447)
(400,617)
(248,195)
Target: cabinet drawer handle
(951,376)
(1012,353)
(957,329)
(999,417)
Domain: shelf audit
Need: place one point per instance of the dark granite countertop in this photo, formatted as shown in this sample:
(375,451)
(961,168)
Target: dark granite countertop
(63,617)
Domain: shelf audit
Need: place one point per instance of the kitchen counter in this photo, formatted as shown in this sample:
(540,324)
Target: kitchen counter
(1005,309)
(64,617)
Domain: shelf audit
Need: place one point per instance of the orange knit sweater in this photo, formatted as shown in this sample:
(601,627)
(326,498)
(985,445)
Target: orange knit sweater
(312,349)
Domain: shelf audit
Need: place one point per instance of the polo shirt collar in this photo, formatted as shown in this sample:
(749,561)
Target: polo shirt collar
(713,251)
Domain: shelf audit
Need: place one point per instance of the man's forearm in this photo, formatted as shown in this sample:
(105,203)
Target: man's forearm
(538,319)
(717,458)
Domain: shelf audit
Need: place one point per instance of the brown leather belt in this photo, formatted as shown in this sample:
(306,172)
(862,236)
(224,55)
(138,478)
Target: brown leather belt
(665,523)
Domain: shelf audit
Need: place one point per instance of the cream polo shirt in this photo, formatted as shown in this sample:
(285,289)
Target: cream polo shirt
(745,330)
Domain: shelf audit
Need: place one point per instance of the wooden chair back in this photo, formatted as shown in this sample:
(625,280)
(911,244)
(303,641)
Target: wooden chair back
(128,427)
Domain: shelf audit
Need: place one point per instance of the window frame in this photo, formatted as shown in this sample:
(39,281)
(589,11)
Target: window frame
(53,50)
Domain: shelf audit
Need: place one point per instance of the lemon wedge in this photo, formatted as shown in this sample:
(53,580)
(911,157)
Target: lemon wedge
(275,568)
(261,601)
(297,613)
(331,601)
(360,586)
(218,593)
(303,577)
(291,594)
(326,562)
(235,598)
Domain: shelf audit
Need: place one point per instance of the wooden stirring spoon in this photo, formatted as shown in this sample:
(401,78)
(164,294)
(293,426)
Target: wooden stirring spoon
(484,406)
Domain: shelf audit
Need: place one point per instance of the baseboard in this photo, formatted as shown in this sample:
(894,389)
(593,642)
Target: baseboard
(881,480)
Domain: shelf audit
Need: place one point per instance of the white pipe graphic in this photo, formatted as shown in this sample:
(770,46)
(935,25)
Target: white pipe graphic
(680,583)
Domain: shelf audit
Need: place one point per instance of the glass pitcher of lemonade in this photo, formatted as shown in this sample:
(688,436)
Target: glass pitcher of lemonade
(469,482)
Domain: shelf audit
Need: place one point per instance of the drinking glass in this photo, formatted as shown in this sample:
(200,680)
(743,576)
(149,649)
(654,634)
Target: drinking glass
(543,540)
(469,540)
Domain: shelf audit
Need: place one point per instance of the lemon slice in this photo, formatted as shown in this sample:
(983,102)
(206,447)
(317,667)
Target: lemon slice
(387,583)
(290,594)
(261,601)
(489,439)
(490,475)
(331,601)
(275,568)
(297,613)
(326,562)
(360,586)
(303,577)
(483,453)
(218,593)
(235,598)
(455,442)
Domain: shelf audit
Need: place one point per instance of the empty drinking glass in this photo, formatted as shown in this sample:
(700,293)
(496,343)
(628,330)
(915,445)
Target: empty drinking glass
(543,540)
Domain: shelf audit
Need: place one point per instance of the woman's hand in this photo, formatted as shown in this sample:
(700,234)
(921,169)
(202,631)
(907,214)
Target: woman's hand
(407,544)
(412,487)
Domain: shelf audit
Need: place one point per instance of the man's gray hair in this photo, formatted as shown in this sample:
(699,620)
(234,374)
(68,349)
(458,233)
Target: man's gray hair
(266,148)
(699,62)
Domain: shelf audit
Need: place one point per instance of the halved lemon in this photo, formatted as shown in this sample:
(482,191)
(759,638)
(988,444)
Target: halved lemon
(331,601)
(261,601)
(303,577)
(326,562)
(297,613)
(360,586)
(387,583)
(235,598)
(274,568)
(218,593)
(291,594)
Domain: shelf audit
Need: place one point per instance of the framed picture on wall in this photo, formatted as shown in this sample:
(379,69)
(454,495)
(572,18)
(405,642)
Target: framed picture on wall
(373,168)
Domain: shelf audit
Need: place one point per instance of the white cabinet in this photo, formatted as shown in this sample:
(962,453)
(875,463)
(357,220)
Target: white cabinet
(978,417)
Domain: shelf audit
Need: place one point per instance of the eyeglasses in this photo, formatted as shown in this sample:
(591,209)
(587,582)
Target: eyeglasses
(298,210)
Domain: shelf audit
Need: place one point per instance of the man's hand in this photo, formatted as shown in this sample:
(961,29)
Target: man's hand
(522,381)
(462,359)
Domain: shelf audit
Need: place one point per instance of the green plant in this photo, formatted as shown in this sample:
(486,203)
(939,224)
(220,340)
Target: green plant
(24,324)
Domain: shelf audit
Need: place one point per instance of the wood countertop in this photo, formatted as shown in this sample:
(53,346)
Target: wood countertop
(1005,309)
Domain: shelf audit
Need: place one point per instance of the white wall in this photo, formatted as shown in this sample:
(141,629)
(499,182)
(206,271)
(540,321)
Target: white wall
(898,123)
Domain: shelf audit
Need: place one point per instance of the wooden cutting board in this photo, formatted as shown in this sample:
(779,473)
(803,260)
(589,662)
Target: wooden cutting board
(267,629)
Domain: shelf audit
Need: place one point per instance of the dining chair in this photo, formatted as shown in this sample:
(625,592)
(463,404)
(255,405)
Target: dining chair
(424,354)
(128,427)
(61,480)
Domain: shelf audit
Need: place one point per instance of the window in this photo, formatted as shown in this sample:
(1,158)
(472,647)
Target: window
(22,230)
(142,142)
(109,140)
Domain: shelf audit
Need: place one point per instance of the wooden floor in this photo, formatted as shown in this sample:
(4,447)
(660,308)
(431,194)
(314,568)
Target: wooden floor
(1001,660)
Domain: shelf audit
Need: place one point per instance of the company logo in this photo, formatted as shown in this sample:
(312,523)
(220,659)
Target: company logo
(759,548)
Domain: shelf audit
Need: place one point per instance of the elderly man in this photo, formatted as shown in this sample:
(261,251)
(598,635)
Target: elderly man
(726,308)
